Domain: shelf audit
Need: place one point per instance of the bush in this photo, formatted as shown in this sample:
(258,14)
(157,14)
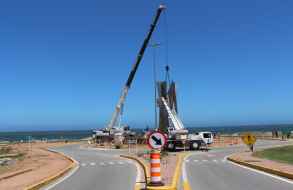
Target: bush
(5,150)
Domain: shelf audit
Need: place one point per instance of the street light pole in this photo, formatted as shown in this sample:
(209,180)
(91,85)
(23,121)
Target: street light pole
(154,46)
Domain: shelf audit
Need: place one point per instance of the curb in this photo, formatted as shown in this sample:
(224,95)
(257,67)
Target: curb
(186,186)
(138,185)
(261,168)
(56,176)
(175,179)
(185,183)
(16,174)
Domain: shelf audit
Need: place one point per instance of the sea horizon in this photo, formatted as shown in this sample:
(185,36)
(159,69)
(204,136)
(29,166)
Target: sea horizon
(66,134)
(141,127)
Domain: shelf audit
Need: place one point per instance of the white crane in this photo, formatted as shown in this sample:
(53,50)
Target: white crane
(118,131)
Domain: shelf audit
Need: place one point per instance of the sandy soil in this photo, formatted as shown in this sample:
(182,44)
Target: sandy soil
(42,162)
(168,166)
(224,141)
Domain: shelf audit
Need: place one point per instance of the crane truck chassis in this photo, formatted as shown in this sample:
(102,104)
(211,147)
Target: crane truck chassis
(190,141)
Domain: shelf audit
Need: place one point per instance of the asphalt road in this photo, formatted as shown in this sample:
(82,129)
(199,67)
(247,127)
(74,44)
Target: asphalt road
(211,171)
(98,170)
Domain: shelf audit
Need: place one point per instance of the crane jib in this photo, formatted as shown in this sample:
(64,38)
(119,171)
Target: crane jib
(144,46)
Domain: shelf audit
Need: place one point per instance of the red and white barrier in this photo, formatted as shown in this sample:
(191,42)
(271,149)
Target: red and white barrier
(156,179)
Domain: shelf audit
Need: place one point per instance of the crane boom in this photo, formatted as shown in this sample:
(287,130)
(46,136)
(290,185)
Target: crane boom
(173,117)
(139,57)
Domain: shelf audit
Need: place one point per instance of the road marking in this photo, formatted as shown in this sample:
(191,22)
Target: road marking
(210,155)
(215,161)
(260,172)
(102,164)
(139,173)
(65,177)
(83,164)
(93,164)
(111,163)
(121,163)
(186,185)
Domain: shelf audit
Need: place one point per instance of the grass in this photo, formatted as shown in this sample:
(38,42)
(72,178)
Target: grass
(280,154)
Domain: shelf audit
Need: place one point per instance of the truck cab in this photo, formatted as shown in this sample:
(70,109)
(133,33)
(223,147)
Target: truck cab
(207,137)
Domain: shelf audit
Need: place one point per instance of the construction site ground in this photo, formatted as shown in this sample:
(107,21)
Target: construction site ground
(36,165)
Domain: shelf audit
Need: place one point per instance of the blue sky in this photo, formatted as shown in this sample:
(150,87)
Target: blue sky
(63,63)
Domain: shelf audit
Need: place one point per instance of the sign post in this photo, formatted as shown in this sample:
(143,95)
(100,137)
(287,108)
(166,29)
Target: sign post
(156,141)
(249,139)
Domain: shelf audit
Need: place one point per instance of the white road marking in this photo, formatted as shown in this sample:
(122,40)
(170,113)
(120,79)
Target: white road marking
(121,163)
(205,160)
(216,161)
(102,164)
(111,163)
(93,164)
(183,170)
(83,164)
(261,172)
(187,160)
(69,174)
(195,160)
(139,173)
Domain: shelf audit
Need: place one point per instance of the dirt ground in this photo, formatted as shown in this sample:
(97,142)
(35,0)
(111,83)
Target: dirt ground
(40,163)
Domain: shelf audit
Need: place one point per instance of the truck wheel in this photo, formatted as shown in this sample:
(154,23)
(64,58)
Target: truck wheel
(194,146)
(171,147)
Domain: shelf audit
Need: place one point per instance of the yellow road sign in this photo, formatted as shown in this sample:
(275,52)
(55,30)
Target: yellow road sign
(248,138)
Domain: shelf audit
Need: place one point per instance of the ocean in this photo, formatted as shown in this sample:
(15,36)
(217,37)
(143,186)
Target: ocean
(81,134)
(44,135)
(285,128)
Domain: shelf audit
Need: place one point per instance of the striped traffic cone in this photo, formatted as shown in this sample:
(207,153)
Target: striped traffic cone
(156,179)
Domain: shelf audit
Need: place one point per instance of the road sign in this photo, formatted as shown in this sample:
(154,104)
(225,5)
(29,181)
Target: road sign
(248,139)
(156,140)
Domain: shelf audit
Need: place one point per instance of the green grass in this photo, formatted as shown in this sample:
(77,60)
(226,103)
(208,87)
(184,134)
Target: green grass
(281,154)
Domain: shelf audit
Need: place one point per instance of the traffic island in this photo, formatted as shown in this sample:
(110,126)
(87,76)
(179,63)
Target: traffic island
(269,166)
(36,168)
(171,167)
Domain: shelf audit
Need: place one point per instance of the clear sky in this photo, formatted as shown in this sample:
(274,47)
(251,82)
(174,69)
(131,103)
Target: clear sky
(63,62)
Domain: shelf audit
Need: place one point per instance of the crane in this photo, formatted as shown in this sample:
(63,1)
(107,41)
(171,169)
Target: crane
(111,126)
(170,122)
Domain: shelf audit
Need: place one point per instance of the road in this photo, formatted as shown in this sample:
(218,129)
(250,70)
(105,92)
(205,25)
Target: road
(211,171)
(98,170)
